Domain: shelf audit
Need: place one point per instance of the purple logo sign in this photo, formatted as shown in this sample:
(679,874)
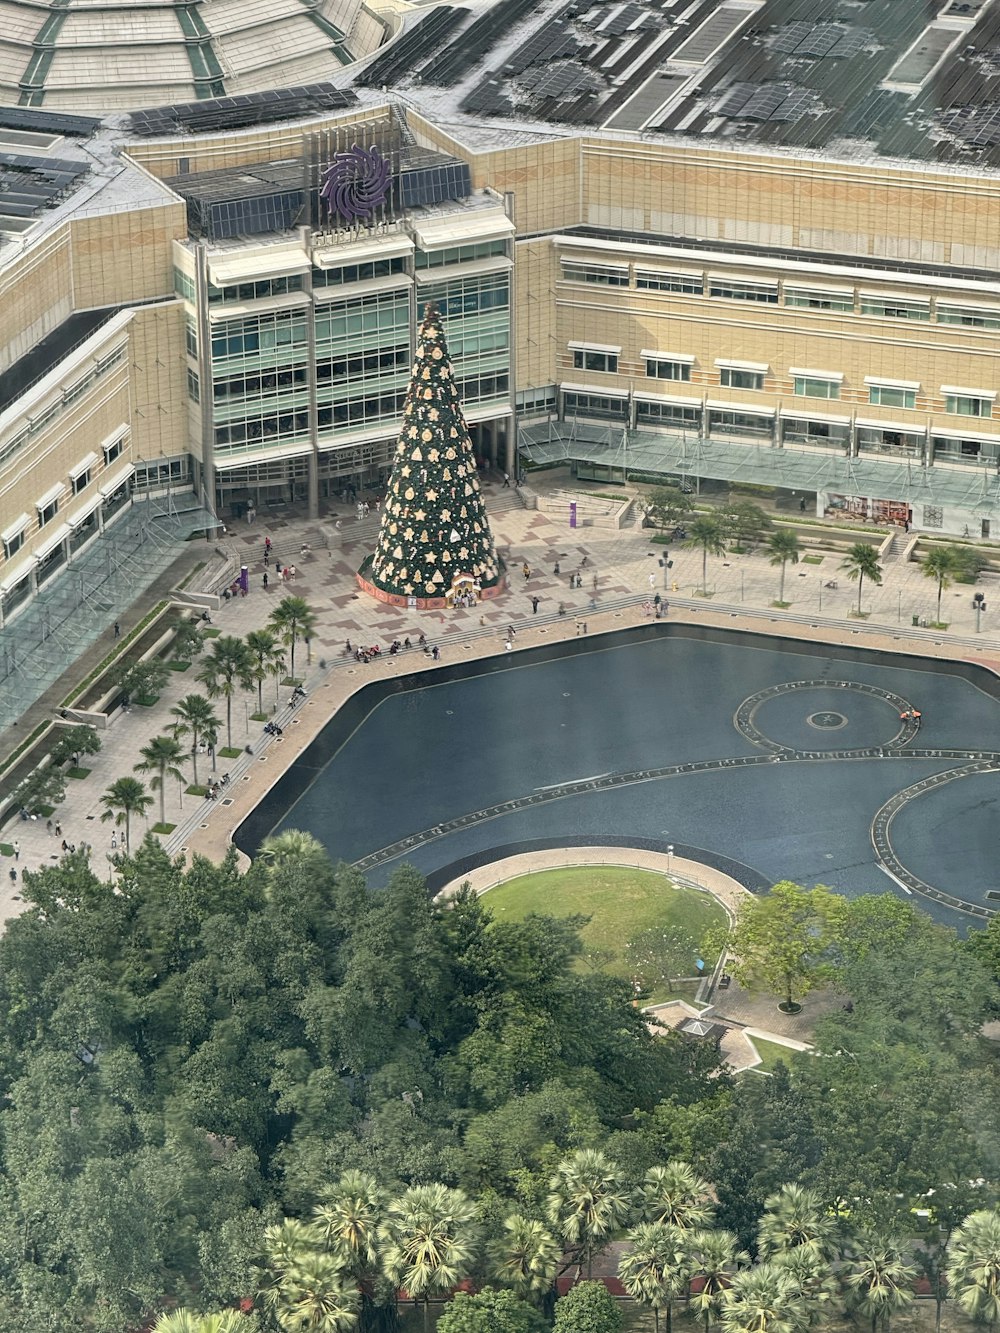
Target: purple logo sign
(356,183)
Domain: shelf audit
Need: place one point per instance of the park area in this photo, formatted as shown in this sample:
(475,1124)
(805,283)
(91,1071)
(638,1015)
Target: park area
(642,926)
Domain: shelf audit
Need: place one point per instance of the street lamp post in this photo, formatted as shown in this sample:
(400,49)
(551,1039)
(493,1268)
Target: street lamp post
(670,857)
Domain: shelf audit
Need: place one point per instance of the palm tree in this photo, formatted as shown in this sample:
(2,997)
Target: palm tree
(763,1300)
(268,660)
(939,564)
(861,562)
(122,800)
(527,1257)
(973,1266)
(587,1201)
(430,1236)
(186,1321)
(783,549)
(226,668)
(715,1258)
(795,1217)
(197,720)
(349,1213)
(880,1283)
(676,1196)
(291,620)
(293,846)
(813,1276)
(708,533)
(308,1286)
(656,1268)
(161,756)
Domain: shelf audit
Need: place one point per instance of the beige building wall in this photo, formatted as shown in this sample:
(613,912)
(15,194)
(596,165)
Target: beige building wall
(158,382)
(124,257)
(36,296)
(536,269)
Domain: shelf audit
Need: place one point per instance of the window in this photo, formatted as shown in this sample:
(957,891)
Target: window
(933,516)
(604,275)
(744,291)
(191,338)
(81,481)
(12,544)
(817,434)
(811,386)
(257,290)
(183,285)
(593,405)
(649,280)
(668,414)
(958,449)
(965,405)
(888,395)
(740,423)
(47,512)
(731,378)
(895,307)
(460,254)
(968,315)
(194,390)
(657,369)
(819,300)
(606,362)
(114,450)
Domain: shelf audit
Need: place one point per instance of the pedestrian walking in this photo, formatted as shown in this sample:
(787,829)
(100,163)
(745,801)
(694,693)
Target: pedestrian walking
(48,827)
(506,481)
(652,581)
(436,653)
(114,842)
(58,829)
(556,570)
(118,630)
(13,875)
(265,580)
(267,559)
(534,605)
(594,583)
(267,545)
(527,573)
(17,850)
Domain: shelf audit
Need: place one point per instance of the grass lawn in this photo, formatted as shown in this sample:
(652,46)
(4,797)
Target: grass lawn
(164,828)
(229,752)
(812,559)
(79,773)
(772,1053)
(621,902)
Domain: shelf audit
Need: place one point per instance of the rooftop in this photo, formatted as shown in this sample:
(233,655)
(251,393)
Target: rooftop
(849,78)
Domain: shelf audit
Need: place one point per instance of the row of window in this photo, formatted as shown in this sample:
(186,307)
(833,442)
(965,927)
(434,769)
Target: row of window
(804,386)
(54,409)
(847,301)
(48,508)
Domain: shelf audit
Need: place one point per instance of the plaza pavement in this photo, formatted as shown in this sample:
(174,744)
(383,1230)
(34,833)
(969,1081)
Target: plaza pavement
(743,589)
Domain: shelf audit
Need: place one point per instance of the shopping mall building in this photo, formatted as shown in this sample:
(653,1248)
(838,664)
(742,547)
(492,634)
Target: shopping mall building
(710,239)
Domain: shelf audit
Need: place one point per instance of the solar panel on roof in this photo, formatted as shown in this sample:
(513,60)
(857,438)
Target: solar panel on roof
(219,113)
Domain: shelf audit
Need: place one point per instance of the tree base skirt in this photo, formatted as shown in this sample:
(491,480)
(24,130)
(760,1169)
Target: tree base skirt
(424,603)
(786,1008)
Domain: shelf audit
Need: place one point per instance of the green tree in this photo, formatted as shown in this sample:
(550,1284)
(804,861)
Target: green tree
(796,1218)
(123,799)
(667,505)
(195,718)
(880,1283)
(707,534)
(307,1287)
(226,669)
(526,1257)
(860,563)
(715,1257)
(587,1307)
(41,790)
(348,1216)
(786,939)
(764,1299)
(73,742)
(745,523)
(783,549)
(656,1268)
(490,1311)
(141,681)
(939,563)
(430,1236)
(675,1195)
(161,757)
(973,1266)
(187,1321)
(188,643)
(268,660)
(291,620)
(587,1202)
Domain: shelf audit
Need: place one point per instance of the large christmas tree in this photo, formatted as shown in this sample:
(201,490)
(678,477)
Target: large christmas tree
(435,536)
